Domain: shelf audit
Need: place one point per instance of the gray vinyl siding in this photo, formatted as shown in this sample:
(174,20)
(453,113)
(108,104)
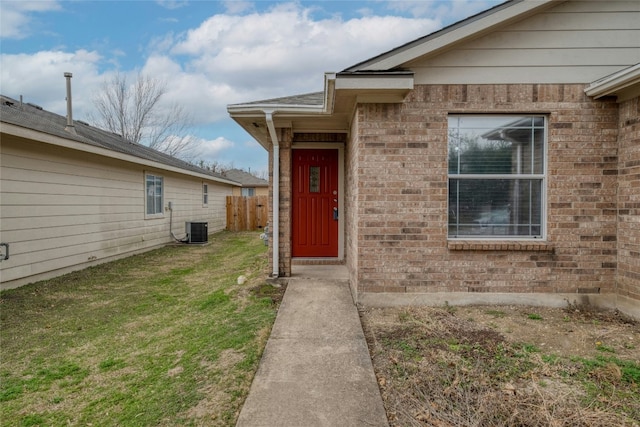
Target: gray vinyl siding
(61,209)
(574,42)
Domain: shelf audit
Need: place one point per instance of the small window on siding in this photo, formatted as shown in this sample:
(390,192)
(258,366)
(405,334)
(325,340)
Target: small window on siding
(154,186)
(205,194)
(248,192)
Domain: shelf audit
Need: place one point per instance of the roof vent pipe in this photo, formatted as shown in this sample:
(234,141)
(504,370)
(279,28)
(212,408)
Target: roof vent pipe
(69,128)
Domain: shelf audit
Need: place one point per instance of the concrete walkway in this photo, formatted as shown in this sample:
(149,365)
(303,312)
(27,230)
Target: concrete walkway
(316,369)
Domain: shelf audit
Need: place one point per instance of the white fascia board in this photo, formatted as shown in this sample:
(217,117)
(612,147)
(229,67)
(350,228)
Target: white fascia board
(259,110)
(37,136)
(455,34)
(346,82)
(251,110)
(329,91)
(614,83)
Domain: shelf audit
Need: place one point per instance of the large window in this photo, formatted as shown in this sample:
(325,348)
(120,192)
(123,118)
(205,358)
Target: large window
(154,191)
(496,176)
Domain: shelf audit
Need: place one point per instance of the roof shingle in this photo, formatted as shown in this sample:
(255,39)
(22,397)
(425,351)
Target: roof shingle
(35,118)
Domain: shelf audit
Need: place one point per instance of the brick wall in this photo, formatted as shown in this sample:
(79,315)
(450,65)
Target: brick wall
(285,138)
(352,192)
(628,278)
(399,162)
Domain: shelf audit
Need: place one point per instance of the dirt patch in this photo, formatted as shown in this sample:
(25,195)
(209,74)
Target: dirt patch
(505,366)
(275,292)
(582,332)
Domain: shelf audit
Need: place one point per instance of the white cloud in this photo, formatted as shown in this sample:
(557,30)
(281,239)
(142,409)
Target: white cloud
(162,43)
(254,52)
(442,11)
(172,4)
(204,97)
(40,78)
(16,16)
(210,150)
(238,56)
(227,59)
(237,6)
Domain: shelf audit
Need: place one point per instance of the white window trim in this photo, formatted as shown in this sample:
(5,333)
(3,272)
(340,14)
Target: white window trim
(543,197)
(205,195)
(158,214)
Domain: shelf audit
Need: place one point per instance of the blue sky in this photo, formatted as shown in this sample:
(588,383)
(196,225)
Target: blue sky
(210,53)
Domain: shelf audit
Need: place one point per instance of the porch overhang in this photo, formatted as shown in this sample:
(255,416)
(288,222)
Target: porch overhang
(329,111)
(625,84)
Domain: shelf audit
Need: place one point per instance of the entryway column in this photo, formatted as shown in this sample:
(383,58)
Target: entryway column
(285,136)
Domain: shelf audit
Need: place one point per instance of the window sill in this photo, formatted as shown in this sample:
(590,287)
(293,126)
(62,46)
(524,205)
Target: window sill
(154,216)
(484,245)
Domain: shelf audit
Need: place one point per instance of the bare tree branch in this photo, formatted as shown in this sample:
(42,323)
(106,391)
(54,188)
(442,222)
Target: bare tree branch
(133,111)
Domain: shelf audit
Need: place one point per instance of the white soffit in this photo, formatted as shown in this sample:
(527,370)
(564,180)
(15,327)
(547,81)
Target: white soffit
(625,84)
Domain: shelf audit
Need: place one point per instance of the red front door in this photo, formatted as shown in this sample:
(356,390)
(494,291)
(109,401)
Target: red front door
(315,203)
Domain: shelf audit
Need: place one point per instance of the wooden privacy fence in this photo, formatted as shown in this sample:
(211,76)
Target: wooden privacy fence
(247,213)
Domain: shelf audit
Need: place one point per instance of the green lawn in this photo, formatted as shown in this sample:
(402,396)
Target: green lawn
(166,338)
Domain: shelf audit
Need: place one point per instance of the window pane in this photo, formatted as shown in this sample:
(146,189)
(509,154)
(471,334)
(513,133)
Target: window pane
(495,145)
(314,179)
(158,195)
(154,194)
(150,205)
(150,192)
(495,207)
(538,151)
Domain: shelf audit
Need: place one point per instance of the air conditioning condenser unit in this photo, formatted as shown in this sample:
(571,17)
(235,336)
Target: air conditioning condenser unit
(197,232)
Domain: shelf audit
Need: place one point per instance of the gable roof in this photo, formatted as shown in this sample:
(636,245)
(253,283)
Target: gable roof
(313,99)
(379,79)
(471,27)
(388,77)
(88,138)
(245,178)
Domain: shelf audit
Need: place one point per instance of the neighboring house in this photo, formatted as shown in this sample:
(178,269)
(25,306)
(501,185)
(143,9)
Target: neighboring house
(74,195)
(251,185)
(494,161)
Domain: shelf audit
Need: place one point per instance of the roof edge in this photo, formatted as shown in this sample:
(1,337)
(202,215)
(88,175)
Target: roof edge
(58,141)
(613,83)
(259,108)
(455,33)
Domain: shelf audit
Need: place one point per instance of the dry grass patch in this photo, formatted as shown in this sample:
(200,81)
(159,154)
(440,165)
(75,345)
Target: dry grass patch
(505,366)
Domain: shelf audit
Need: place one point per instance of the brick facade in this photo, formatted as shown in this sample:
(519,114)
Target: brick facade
(397,195)
(352,160)
(628,277)
(285,138)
